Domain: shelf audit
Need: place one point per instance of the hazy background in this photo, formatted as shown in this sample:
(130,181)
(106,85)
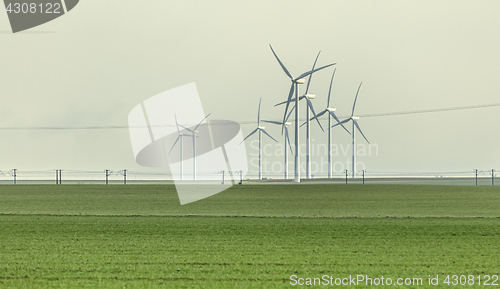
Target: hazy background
(94,64)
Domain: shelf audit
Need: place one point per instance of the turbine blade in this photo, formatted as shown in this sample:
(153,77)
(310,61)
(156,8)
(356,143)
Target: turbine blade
(310,76)
(272,121)
(356,98)
(177,124)
(319,114)
(313,71)
(357,125)
(202,121)
(281,63)
(342,122)
(338,121)
(287,136)
(258,114)
(288,102)
(289,114)
(264,131)
(185,128)
(249,135)
(291,100)
(330,90)
(174,144)
(310,105)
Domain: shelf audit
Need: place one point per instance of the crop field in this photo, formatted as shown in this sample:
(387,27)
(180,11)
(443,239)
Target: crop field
(250,236)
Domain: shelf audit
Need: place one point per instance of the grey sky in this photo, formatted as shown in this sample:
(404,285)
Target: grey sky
(92,66)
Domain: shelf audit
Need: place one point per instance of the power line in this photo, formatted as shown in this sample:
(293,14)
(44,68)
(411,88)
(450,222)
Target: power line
(429,110)
(13,128)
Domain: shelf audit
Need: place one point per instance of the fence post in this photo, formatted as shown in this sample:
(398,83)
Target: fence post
(346,177)
(363,177)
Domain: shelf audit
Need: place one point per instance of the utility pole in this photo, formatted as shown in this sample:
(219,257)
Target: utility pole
(108,172)
(241,177)
(222,177)
(476,177)
(125,177)
(492,177)
(363,177)
(346,177)
(57,177)
(60,177)
(15,175)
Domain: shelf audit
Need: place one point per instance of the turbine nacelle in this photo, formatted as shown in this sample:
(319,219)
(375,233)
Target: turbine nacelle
(288,123)
(310,96)
(300,81)
(355,117)
(261,127)
(332,109)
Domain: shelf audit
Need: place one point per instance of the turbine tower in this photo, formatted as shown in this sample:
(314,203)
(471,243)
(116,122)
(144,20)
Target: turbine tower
(355,125)
(287,139)
(180,140)
(331,113)
(261,130)
(193,132)
(295,86)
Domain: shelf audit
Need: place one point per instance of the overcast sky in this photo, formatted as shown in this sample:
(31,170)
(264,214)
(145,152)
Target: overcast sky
(93,65)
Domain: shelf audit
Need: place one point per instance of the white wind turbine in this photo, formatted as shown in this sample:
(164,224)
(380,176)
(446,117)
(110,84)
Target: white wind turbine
(331,113)
(193,132)
(261,130)
(309,107)
(295,86)
(287,139)
(180,140)
(354,124)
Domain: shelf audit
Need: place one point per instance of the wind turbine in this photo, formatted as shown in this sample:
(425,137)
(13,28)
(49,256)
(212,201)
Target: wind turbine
(180,140)
(193,132)
(295,86)
(354,120)
(309,107)
(261,130)
(331,113)
(287,139)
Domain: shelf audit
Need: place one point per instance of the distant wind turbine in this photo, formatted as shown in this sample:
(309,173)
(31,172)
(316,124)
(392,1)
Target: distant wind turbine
(180,140)
(193,132)
(295,86)
(331,113)
(287,140)
(261,130)
(354,124)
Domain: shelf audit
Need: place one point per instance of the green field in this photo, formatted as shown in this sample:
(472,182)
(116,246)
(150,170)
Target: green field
(250,236)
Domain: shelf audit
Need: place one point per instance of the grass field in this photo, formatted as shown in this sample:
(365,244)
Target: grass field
(251,236)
